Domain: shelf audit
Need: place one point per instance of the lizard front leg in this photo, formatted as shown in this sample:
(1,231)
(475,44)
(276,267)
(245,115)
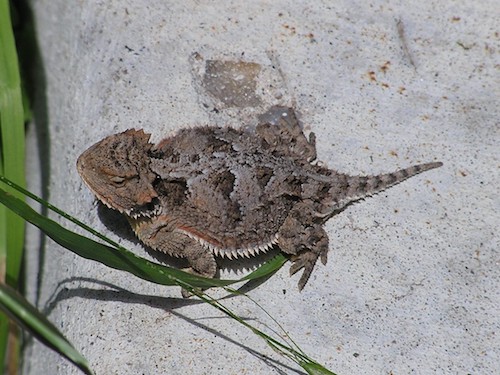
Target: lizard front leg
(159,233)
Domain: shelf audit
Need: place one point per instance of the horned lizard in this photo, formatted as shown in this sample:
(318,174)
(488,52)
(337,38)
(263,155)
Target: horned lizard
(212,191)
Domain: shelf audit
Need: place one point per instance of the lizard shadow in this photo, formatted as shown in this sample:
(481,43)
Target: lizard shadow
(112,293)
(118,224)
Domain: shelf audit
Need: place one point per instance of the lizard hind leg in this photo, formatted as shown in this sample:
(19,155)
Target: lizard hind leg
(306,259)
(305,241)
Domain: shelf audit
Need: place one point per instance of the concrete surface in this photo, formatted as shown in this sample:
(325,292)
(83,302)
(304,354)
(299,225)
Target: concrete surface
(412,283)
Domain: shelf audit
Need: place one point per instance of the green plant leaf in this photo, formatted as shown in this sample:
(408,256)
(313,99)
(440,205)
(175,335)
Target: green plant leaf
(12,145)
(16,307)
(118,257)
(314,368)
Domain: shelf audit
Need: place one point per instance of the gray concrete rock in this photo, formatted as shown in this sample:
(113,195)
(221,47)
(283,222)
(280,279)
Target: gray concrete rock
(412,280)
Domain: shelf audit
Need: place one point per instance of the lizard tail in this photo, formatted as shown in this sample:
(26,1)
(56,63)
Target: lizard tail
(353,188)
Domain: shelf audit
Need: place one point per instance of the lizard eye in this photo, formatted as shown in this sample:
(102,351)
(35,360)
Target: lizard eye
(117,180)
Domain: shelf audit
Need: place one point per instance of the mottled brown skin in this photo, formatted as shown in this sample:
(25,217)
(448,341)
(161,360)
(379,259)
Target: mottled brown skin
(210,191)
(117,171)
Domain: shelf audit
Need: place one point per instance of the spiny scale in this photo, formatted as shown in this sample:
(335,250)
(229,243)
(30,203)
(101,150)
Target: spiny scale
(234,253)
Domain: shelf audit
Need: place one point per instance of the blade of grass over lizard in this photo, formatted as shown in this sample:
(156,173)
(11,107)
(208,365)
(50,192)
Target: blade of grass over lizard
(261,274)
(115,257)
(118,257)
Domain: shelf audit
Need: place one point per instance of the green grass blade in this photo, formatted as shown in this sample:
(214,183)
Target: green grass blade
(12,144)
(313,368)
(114,257)
(267,269)
(11,165)
(261,274)
(308,364)
(117,258)
(28,317)
(120,258)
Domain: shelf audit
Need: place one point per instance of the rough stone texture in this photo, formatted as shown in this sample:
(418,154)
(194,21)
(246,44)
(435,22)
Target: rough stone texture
(412,282)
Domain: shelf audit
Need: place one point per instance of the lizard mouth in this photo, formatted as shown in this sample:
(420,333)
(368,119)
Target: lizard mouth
(146,210)
(153,208)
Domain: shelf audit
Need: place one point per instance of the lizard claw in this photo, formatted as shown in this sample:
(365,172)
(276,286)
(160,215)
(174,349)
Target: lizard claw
(306,261)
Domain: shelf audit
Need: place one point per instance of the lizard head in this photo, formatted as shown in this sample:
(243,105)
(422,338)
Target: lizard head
(117,171)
